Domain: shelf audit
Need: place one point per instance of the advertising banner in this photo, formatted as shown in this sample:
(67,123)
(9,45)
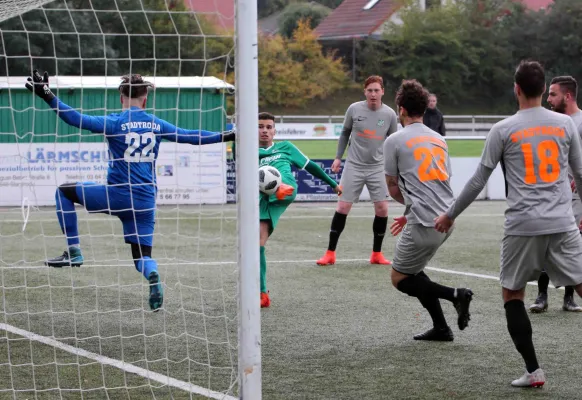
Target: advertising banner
(185,174)
(294,131)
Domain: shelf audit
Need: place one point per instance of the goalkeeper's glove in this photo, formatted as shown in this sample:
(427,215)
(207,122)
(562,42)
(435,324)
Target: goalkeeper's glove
(229,136)
(39,85)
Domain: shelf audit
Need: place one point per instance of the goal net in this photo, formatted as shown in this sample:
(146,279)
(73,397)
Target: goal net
(90,332)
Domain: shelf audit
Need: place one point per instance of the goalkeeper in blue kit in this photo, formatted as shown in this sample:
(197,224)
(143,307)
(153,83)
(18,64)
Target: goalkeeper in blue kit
(134,138)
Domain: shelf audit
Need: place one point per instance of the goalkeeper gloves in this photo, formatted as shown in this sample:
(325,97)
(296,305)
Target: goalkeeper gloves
(39,85)
(229,136)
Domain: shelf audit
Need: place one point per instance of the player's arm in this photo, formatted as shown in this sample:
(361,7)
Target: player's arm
(492,154)
(342,142)
(315,170)
(172,133)
(393,124)
(39,85)
(575,155)
(391,169)
(300,160)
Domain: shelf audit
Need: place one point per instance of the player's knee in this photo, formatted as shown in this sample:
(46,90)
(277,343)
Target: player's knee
(140,251)
(381,208)
(509,294)
(344,207)
(69,191)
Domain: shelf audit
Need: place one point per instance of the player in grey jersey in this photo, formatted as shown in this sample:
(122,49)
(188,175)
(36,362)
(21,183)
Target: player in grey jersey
(562,98)
(366,126)
(535,147)
(416,158)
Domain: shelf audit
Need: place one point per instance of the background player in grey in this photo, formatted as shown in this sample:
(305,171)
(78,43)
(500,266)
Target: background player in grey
(417,159)
(366,126)
(535,147)
(562,98)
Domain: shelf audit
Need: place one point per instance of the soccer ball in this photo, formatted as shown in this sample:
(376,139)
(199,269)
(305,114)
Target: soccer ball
(269,179)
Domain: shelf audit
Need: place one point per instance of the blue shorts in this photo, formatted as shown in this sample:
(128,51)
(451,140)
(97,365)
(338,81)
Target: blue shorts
(137,216)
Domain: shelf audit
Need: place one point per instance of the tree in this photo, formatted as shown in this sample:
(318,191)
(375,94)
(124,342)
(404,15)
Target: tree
(293,13)
(144,36)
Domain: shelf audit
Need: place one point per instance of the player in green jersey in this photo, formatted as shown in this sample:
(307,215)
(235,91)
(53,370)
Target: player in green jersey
(280,155)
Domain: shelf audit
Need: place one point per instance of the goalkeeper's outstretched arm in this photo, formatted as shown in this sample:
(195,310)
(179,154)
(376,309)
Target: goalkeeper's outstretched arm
(193,136)
(39,85)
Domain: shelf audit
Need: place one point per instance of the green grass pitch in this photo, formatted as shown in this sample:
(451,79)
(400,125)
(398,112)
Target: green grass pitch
(339,332)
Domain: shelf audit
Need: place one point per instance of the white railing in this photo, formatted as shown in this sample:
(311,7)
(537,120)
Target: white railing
(304,126)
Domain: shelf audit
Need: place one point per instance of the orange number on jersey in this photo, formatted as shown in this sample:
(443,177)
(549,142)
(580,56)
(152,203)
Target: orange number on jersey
(427,155)
(547,152)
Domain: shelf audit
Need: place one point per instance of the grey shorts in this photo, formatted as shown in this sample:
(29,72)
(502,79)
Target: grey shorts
(354,178)
(524,257)
(416,246)
(577,208)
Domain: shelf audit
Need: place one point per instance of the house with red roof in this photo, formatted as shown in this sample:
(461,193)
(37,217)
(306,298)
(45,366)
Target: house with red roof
(360,19)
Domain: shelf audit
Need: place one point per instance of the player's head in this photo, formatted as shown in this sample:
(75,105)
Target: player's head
(266,129)
(530,81)
(563,93)
(134,91)
(432,101)
(411,100)
(374,90)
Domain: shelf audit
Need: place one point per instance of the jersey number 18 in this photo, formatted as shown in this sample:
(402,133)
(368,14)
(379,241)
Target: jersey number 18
(134,152)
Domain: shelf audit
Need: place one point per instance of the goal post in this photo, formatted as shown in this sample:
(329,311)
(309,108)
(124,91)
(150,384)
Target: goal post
(89,331)
(247,104)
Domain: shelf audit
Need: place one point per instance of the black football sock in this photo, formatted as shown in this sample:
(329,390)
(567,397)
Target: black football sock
(420,285)
(379,228)
(569,291)
(519,327)
(433,306)
(543,282)
(337,226)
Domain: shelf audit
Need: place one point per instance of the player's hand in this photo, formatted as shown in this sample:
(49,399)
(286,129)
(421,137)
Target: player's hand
(336,165)
(573,185)
(284,191)
(443,223)
(338,189)
(39,85)
(398,225)
(229,136)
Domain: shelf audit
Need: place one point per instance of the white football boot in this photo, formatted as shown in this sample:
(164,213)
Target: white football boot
(536,379)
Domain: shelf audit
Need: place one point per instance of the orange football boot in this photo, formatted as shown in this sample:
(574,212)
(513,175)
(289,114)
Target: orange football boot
(327,259)
(378,258)
(265,300)
(284,191)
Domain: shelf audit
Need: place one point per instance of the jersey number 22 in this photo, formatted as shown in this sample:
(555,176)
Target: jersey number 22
(134,152)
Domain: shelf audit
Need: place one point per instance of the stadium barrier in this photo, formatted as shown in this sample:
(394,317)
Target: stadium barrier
(303,127)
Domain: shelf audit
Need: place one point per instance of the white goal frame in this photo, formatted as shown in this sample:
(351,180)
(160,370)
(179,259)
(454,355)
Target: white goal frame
(247,108)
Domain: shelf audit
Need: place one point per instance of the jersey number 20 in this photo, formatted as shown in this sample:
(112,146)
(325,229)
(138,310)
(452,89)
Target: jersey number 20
(425,171)
(134,152)
(549,168)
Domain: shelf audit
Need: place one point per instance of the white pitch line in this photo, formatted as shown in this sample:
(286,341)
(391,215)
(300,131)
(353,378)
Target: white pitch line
(153,376)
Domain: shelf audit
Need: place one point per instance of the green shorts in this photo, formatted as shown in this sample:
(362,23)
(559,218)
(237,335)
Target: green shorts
(271,209)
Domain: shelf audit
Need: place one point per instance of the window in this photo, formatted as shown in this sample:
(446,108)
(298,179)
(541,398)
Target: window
(370,4)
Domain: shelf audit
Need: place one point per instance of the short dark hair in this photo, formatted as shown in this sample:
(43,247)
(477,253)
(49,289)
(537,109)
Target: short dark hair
(567,84)
(413,97)
(531,78)
(133,86)
(266,116)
